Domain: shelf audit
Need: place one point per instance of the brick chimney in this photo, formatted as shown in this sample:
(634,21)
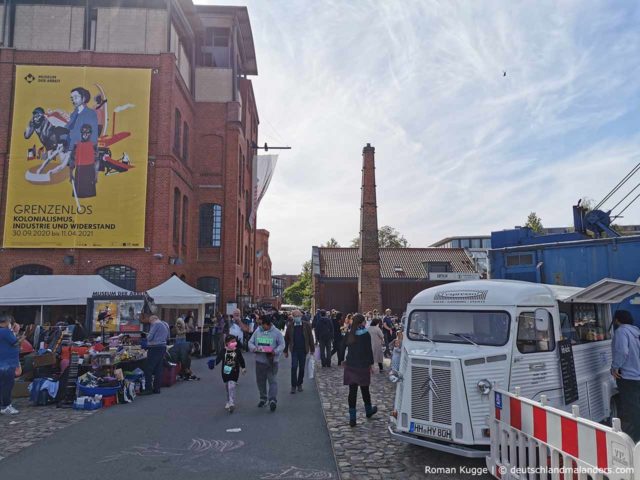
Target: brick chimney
(369,289)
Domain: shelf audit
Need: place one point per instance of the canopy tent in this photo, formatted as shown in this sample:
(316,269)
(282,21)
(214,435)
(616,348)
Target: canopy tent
(54,290)
(41,290)
(174,293)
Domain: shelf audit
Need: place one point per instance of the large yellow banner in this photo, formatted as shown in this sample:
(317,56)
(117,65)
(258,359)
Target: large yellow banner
(78,158)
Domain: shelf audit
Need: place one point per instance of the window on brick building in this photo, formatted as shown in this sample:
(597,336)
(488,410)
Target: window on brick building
(32,269)
(210,225)
(239,239)
(209,284)
(185,142)
(176,216)
(185,219)
(120,275)
(176,132)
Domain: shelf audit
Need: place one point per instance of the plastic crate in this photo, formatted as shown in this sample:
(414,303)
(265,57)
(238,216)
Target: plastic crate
(109,401)
(88,406)
(91,391)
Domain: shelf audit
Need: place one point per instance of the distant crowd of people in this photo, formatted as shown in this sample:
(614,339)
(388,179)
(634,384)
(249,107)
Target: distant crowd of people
(359,341)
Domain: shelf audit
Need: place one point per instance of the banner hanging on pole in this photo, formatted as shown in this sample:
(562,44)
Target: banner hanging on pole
(263,168)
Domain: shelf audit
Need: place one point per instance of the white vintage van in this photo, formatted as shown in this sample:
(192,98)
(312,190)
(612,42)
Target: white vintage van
(463,339)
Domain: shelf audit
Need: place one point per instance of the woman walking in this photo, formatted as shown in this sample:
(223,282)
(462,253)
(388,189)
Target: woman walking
(377,342)
(357,370)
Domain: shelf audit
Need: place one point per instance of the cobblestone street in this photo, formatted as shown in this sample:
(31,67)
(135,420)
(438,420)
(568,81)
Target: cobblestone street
(368,451)
(34,424)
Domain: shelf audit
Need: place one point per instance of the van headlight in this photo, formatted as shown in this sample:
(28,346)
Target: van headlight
(484,386)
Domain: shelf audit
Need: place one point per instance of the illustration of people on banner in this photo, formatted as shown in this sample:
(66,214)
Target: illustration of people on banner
(78,141)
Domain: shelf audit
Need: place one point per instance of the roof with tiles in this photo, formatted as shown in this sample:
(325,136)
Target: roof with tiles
(394,262)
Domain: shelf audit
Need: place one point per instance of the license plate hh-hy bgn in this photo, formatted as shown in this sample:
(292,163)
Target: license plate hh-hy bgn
(430,431)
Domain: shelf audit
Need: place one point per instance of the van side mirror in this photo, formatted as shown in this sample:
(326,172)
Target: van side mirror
(543,319)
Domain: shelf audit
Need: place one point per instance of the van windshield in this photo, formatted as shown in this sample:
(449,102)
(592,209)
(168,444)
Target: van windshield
(481,327)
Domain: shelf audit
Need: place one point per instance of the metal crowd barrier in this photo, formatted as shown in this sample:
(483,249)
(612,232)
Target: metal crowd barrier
(533,441)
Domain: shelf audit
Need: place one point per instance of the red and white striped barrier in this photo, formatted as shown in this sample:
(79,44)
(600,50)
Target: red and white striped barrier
(530,439)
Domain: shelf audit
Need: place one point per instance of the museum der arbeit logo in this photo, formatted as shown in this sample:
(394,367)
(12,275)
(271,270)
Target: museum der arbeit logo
(78,159)
(30,78)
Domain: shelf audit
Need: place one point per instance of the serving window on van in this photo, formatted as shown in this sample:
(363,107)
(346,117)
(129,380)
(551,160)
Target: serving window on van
(583,322)
(451,326)
(535,334)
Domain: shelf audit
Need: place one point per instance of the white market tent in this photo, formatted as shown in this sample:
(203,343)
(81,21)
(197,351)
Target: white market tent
(174,293)
(54,290)
(41,290)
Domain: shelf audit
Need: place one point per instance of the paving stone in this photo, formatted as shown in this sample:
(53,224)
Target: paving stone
(33,424)
(367,451)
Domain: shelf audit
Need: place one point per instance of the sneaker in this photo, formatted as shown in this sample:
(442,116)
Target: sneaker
(226,406)
(299,388)
(272,406)
(262,403)
(9,410)
(293,390)
(231,408)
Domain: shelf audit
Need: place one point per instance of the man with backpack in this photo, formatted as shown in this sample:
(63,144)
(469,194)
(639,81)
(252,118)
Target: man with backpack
(324,332)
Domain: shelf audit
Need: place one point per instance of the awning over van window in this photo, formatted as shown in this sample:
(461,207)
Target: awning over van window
(606,290)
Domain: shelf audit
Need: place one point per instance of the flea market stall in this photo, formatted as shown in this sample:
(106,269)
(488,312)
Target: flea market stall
(176,294)
(71,356)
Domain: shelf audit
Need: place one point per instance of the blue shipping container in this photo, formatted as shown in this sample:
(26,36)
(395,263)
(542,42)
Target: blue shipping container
(576,263)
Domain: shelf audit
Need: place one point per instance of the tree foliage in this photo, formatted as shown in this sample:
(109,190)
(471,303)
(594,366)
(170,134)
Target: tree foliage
(332,243)
(388,237)
(300,292)
(534,222)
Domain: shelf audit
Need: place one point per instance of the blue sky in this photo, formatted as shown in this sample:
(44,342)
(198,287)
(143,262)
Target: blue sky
(460,148)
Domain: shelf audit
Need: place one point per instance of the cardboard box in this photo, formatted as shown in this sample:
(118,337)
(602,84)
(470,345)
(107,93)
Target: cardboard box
(20,389)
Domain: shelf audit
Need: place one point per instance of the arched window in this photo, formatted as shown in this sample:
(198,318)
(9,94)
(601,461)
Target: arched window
(185,217)
(209,284)
(120,275)
(32,269)
(185,142)
(210,225)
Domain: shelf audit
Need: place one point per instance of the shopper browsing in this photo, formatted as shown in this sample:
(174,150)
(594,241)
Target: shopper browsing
(267,343)
(232,363)
(156,349)
(9,363)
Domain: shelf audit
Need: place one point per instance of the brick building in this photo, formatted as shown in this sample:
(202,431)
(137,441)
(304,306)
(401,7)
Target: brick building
(285,280)
(403,273)
(262,277)
(203,123)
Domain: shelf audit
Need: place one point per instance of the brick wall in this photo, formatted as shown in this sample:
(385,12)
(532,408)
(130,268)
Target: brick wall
(210,175)
(369,288)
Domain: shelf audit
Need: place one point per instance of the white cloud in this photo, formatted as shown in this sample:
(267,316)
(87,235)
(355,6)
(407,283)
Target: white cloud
(460,148)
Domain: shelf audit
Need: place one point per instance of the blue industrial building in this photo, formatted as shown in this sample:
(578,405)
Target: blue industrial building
(565,259)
